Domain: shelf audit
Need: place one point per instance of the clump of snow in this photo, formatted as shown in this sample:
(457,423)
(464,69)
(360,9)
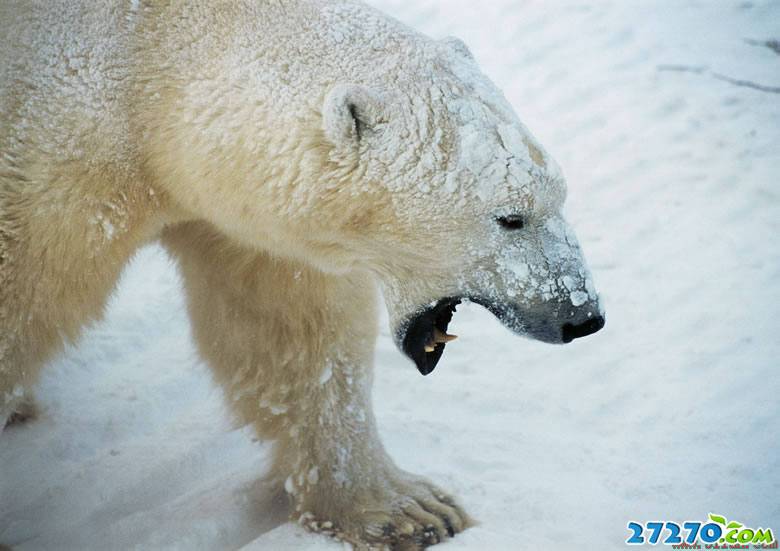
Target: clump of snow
(326,374)
(313,475)
(578,298)
(289,486)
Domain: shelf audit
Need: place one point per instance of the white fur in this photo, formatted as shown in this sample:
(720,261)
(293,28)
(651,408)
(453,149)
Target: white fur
(292,155)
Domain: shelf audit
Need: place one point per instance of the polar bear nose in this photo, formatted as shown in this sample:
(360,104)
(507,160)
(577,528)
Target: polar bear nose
(571,331)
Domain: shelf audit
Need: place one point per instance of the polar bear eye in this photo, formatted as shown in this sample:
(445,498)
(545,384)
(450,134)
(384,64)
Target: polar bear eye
(511,222)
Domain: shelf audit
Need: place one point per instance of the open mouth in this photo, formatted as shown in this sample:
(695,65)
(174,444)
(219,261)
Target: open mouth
(426,334)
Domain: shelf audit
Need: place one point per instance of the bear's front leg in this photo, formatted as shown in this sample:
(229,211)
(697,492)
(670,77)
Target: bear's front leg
(340,478)
(293,348)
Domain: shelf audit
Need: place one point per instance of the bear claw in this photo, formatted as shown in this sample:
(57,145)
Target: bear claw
(424,516)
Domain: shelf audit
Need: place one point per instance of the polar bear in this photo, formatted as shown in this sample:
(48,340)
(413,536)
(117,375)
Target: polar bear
(296,157)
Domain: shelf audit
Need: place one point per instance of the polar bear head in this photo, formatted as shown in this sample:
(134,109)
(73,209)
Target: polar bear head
(471,208)
(467,206)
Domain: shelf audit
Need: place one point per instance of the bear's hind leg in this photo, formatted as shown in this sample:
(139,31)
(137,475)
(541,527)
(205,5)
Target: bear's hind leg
(21,412)
(293,349)
(65,236)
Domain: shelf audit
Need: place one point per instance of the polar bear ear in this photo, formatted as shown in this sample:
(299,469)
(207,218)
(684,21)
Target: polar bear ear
(458,45)
(349,111)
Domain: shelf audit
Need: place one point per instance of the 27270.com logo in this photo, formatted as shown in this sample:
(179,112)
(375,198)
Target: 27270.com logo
(716,533)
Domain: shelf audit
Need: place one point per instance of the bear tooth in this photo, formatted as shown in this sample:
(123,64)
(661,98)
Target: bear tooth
(439,336)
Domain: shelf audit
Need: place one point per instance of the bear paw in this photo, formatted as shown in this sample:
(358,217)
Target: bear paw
(404,512)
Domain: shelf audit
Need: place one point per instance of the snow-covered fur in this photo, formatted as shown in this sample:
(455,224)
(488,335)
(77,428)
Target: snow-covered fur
(293,156)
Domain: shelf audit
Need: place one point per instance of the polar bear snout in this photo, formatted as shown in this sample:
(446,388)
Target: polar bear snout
(424,336)
(561,322)
(571,331)
(552,322)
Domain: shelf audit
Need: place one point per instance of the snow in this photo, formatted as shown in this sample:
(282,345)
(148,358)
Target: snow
(669,413)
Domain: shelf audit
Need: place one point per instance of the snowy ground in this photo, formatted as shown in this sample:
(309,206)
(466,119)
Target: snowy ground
(668,414)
